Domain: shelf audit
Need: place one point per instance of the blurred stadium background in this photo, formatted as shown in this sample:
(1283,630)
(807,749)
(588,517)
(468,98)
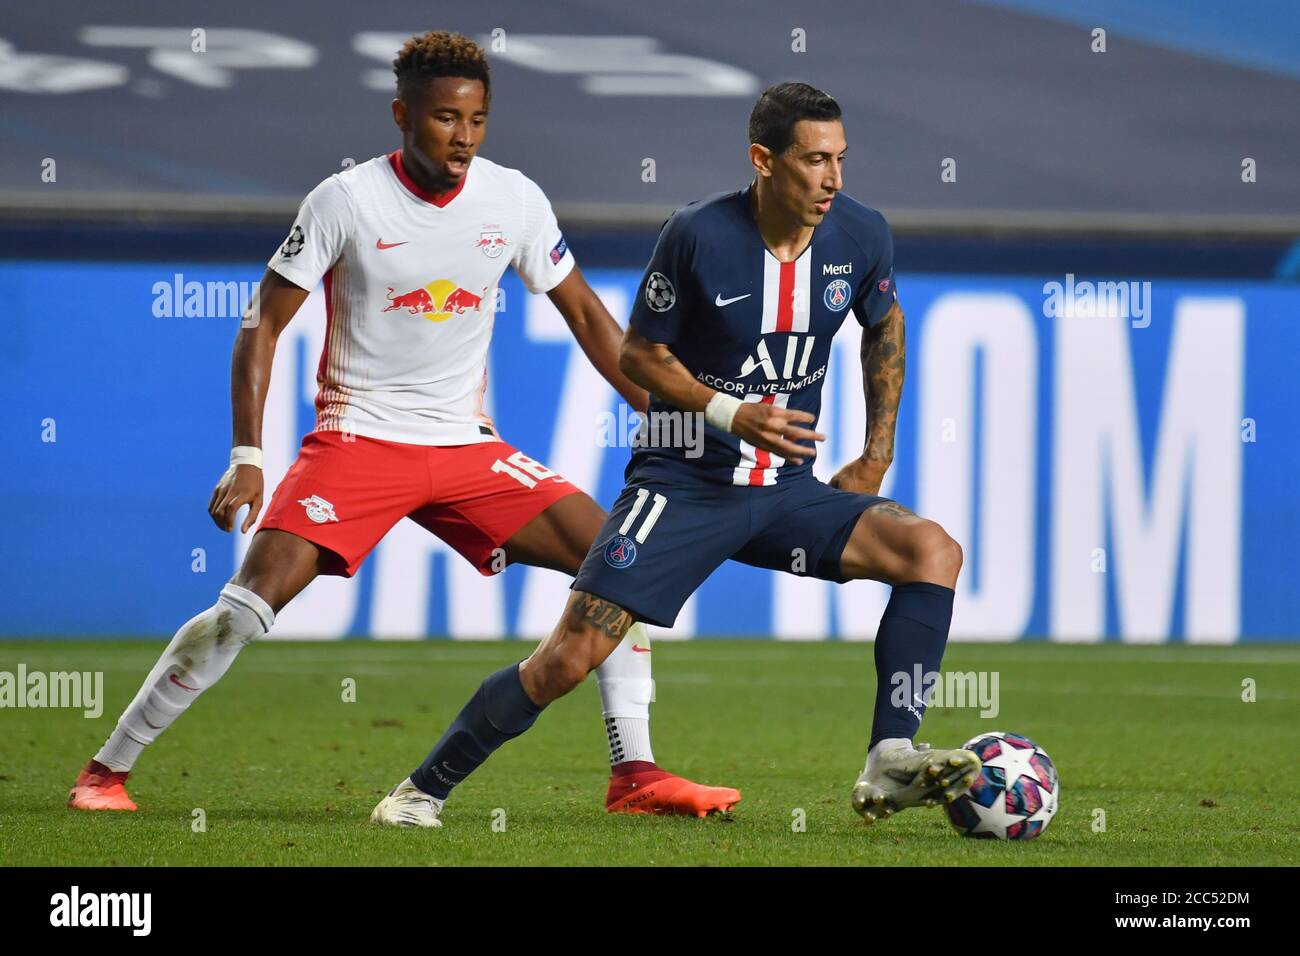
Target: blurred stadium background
(1128,476)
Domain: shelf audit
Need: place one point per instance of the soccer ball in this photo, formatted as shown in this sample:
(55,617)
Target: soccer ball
(1016,793)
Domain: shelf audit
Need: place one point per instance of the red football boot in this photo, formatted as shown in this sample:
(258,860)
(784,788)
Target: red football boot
(98,788)
(639,786)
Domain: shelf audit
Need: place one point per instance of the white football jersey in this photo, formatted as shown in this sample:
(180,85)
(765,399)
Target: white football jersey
(411,291)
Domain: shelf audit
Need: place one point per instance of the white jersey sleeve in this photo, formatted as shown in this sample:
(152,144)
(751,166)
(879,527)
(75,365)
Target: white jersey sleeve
(325,220)
(542,259)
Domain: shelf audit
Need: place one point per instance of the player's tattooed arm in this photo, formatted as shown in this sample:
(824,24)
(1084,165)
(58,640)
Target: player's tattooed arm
(893,509)
(612,619)
(884,360)
(653,365)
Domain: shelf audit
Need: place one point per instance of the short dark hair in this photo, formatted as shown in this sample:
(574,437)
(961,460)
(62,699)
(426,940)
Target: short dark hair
(771,122)
(434,54)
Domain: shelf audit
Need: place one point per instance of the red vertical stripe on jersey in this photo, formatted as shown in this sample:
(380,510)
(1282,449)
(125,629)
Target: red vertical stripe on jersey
(785,299)
(763,457)
(325,349)
(329,314)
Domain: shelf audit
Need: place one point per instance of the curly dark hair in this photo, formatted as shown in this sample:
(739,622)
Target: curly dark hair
(771,124)
(438,53)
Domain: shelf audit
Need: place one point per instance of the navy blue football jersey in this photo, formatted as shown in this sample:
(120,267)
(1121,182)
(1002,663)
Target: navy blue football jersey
(749,325)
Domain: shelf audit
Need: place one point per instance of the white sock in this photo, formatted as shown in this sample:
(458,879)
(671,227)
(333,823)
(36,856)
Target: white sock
(202,650)
(626,691)
(629,739)
(889,743)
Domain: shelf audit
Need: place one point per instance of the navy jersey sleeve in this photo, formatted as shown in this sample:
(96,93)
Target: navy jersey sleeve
(665,292)
(877,294)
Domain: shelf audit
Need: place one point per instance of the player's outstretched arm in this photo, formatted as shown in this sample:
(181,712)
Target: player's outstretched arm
(277,301)
(884,360)
(653,366)
(597,333)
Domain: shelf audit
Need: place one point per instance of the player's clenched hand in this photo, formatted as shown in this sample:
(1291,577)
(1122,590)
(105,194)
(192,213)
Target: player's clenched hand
(240,485)
(862,475)
(776,429)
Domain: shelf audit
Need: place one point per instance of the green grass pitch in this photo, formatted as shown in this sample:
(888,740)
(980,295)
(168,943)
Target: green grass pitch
(286,772)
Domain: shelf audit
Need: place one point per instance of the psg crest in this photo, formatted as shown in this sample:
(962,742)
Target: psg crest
(837,295)
(620,552)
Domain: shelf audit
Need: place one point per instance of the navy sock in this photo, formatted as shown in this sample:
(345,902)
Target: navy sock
(913,633)
(500,710)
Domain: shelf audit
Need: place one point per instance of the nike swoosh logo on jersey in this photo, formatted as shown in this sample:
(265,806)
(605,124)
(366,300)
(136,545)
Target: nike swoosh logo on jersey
(640,650)
(719,301)
(380,244)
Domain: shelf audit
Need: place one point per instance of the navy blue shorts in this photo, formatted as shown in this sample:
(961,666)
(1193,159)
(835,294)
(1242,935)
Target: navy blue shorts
(669,531)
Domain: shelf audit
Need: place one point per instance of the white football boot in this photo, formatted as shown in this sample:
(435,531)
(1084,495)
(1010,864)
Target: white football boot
(408,806)
(906,777)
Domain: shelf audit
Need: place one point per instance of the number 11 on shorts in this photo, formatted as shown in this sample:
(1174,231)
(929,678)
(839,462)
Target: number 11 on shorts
(655,510)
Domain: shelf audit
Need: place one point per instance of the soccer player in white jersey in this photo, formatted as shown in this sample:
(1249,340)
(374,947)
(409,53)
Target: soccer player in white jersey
(411,247)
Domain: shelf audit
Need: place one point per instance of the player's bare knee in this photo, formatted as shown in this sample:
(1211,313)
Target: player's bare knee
(938,557)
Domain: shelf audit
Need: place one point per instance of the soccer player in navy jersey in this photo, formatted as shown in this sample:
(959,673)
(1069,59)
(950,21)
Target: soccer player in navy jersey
(734,320)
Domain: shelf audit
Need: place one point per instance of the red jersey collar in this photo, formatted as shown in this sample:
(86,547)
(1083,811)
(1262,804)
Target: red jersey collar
(438,199)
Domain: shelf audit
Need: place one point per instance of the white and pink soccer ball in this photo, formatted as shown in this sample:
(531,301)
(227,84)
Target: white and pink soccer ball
(1016,793)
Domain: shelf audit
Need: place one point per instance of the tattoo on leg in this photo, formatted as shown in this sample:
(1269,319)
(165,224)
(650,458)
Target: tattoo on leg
(893,509)
(606,615)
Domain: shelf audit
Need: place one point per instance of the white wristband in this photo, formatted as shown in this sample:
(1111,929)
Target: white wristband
(721,411)
(246,455)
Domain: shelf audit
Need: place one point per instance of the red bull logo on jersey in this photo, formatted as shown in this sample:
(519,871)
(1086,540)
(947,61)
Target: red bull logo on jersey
(438,301)
(491,243)
(318,509)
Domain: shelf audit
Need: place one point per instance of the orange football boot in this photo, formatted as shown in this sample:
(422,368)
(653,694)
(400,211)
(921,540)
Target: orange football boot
(639,786)
(98,788)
